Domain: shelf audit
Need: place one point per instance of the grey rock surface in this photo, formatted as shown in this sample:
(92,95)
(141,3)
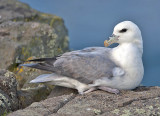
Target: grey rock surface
(28,96)
(25,34)
(12,99)
(8,92)
(59,91)
(143,101)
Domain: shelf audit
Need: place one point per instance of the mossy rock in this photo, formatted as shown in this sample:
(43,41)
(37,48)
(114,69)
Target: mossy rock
(8,92)
(25,34)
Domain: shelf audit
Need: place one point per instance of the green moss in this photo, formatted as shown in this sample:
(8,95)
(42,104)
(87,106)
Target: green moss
(150,107)
(14,20)
(65,43)
(140,111)
(5,113)
(12,67)
(25,51)
(126,112)
(116,111)
(97,111)
(52,22)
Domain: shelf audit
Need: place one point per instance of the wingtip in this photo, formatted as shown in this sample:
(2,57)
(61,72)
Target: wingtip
(32,81)
(27,65)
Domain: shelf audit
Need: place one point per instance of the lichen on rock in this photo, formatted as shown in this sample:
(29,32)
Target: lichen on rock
(25,34)
(144,101)
(8,92)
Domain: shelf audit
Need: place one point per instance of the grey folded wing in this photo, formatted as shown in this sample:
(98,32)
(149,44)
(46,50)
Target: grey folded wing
(86,65)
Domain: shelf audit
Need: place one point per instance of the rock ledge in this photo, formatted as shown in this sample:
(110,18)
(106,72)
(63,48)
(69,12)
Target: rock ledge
(143,101)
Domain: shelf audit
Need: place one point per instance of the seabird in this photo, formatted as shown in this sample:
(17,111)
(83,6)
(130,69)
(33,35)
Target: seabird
(92,68)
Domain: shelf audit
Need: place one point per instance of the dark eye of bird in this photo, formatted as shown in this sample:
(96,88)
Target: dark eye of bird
(123,30)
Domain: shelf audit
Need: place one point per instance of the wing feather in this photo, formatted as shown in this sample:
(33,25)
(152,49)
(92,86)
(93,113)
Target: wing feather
(87,64)
(84,65)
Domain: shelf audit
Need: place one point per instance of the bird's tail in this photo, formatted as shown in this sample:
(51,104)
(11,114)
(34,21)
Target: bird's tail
(45,78)
(42,64)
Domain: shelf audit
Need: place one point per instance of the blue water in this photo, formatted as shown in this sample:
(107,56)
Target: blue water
(90,22)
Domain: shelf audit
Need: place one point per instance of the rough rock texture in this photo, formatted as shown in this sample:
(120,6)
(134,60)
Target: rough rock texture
(28,96)
(58,91)
(144,101)
(26,33)
(8,92)
(11,99)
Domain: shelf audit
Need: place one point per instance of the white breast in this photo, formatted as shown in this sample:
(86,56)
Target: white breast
(129,58)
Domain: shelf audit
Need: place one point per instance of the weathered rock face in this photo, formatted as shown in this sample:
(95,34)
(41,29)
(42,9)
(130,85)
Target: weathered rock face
(26,33)
(8,92)
(21,40)
(144,101)
(11,9)
(28,96)
(11,99)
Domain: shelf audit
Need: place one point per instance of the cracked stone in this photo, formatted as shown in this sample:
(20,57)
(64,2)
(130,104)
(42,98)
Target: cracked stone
(143,101)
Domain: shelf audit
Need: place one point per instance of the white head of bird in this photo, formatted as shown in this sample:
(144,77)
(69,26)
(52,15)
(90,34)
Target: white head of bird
(126,32)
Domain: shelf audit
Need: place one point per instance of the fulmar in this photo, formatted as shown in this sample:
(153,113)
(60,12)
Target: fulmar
(92,68)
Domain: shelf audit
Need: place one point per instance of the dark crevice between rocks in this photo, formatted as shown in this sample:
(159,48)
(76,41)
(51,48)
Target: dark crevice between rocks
(19,58)
(128,103)
(141,88)
(13,66)
(50,112)
(64,103)
(58,107)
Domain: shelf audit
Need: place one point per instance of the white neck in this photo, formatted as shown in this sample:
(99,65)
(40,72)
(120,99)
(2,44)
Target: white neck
(139,44)
(129,57)
(126,53)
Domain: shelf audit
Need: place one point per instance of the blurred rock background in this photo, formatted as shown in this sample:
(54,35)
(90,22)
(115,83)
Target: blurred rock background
(25,34)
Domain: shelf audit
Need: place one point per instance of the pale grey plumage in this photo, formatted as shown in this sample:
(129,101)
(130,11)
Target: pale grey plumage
(84,65)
